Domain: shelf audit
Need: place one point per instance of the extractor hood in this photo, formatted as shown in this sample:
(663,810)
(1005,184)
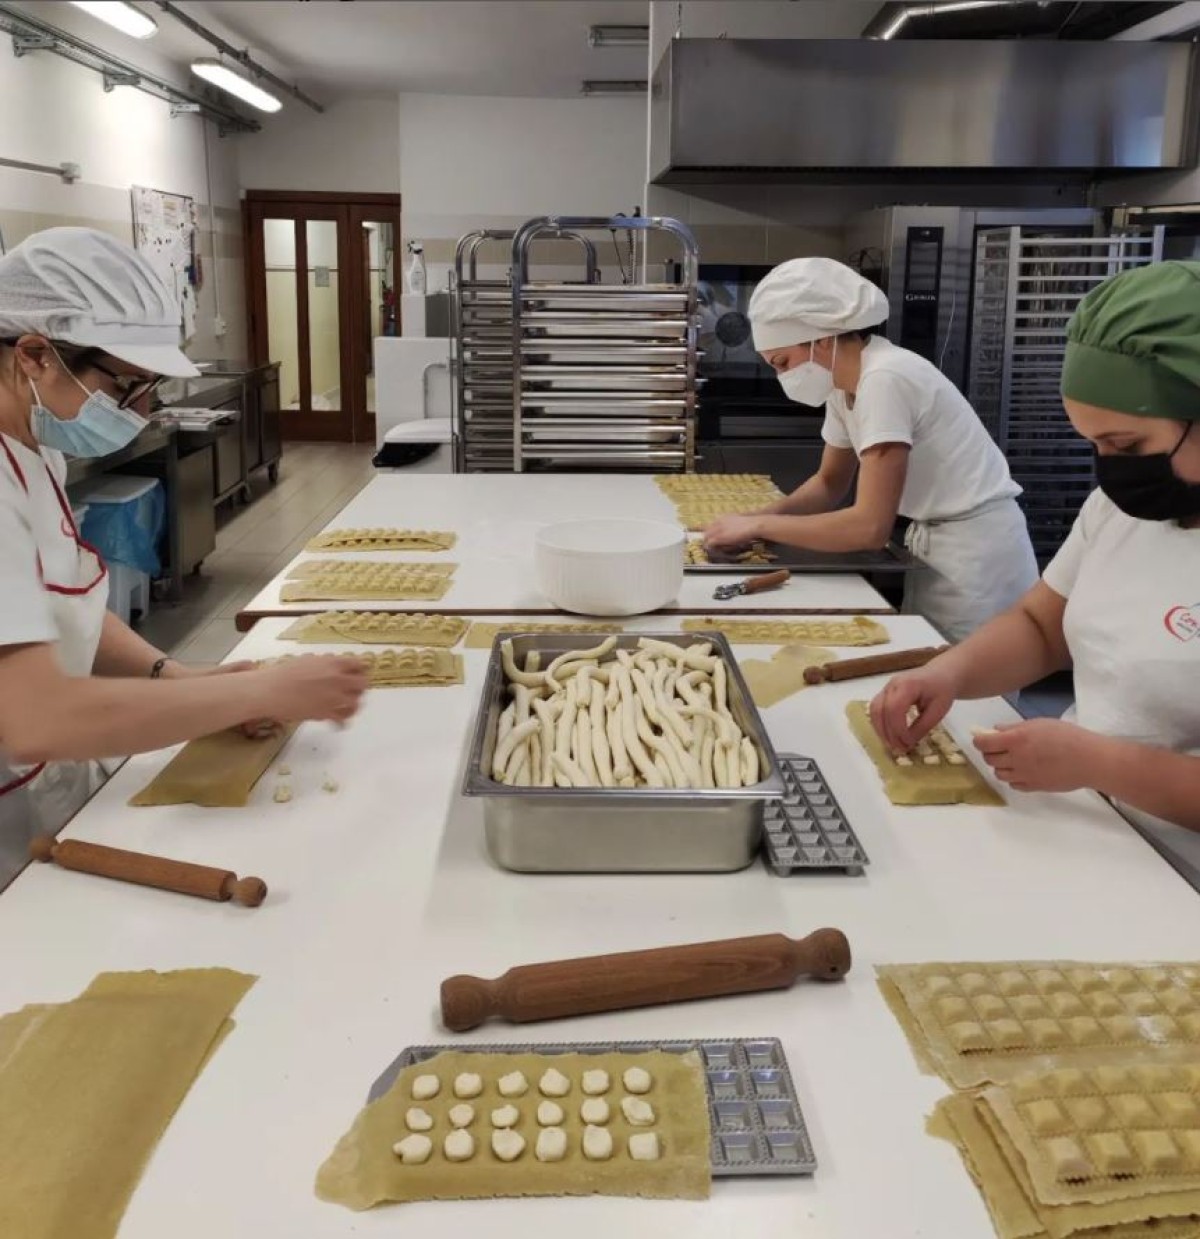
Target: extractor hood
(799,109)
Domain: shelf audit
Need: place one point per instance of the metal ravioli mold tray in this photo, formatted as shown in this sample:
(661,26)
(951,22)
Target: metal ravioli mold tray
(754,1112)
(807,828)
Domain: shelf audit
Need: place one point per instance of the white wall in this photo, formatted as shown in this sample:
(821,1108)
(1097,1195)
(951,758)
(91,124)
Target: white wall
(351,147)
(56,111)
(480,162)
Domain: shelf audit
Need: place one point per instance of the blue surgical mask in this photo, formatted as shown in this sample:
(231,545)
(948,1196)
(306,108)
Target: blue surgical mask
(100,427)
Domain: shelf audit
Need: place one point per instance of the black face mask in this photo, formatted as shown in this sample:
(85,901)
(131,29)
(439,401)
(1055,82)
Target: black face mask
(1147,487)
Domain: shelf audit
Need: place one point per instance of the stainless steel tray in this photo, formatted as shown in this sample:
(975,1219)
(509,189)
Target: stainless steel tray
(892,558)
(616,829)
(754,1110)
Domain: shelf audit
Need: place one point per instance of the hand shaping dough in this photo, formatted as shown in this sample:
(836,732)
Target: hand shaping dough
(938,772)
(554,1083)
(459,1146)
(513,1085)
(508,1145)
(407,668)
(637,1080)
(425,1087)
(506,1116)
(595,1111)
(550,1114)
(413,1150)
(468,1084)
(643,1146)
(418,1120)
(597,1144)
(638,1113)
(595,1083)
(462,1115)
(551,1144)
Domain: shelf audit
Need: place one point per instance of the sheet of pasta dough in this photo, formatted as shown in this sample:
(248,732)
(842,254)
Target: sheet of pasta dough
(215,772)
(88,1087)
(363,1171)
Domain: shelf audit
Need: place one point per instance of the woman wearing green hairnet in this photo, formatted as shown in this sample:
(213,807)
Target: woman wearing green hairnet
(1120,603)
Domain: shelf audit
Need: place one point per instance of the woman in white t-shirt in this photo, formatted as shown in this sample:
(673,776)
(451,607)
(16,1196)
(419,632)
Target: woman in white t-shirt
(1120,603)
(87,330)
(917,446)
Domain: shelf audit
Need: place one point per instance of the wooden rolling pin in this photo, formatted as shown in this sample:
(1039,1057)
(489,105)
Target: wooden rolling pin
(644,978)
(873,664)
(156,871)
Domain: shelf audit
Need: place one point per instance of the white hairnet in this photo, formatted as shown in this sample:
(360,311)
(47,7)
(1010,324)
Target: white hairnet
(807,299)
(85,287)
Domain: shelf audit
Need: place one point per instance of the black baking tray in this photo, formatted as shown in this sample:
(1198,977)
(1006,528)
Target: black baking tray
(892,558)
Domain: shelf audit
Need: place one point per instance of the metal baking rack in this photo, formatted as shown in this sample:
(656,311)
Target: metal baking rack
(807,828)
(754,1112)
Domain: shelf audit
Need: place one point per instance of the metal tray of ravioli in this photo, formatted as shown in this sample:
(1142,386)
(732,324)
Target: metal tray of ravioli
(753,1110)
(891,558)
(618,829)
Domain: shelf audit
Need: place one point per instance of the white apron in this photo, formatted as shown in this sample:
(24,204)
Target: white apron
(40,800)
(975,566)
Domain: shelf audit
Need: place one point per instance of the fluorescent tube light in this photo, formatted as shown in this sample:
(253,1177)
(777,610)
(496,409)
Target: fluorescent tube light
(224,78)
(618,36)
(121,16)
(615,86)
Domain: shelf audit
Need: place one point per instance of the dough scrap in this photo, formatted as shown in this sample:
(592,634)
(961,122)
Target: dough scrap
(282,793)
(595,1112)
(638,1113)
(506,1116)
(508,1145)
(468,1084)
(459,1146)
(597,1144)
(637,1080)
(426,1086)
(774,680)
(554,1084)
(551,1145)
(417,1119)
(330,785)
(595,1083)
(513,1085)
(550,1114)
(413,1150)
(462,1115)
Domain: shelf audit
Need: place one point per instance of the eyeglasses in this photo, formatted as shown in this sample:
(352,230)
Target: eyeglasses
(130,387)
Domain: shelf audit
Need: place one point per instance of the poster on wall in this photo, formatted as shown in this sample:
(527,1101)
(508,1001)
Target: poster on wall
(164,230)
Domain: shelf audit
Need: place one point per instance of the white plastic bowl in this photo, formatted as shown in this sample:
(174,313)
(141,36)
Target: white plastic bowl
(609,567)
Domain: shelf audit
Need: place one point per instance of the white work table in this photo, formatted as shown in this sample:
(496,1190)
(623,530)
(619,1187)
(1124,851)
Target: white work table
(383,889)
(496,517)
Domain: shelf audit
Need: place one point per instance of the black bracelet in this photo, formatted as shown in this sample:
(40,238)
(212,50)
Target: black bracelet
(157,670)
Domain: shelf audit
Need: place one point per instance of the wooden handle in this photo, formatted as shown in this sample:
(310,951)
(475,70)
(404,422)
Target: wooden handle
(767,580)
(644,978)
(156,871)
(873,664)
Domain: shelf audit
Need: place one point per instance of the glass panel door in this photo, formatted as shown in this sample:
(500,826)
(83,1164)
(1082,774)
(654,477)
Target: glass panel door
(324,317)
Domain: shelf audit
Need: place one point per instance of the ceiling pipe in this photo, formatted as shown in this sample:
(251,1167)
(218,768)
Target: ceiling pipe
(892,18)
(240,55)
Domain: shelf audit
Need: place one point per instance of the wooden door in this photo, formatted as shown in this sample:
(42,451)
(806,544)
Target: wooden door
(309,282)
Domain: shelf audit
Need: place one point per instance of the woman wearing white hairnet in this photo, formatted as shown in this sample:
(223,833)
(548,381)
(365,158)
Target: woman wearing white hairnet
(918,447)
(87,331)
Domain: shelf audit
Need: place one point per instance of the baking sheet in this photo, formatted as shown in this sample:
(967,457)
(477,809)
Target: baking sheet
(892,558)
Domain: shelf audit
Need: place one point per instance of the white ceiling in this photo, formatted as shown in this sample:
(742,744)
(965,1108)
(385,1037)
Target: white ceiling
(335,48)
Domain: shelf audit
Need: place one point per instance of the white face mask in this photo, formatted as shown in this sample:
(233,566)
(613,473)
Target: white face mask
(809,382)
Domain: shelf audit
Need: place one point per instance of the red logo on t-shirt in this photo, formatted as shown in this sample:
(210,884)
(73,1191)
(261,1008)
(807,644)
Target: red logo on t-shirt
(1183,622)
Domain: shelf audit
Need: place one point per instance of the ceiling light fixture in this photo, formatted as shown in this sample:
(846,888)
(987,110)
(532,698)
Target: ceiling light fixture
(121,16)
(224,78)
(615,86)
(618,36)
